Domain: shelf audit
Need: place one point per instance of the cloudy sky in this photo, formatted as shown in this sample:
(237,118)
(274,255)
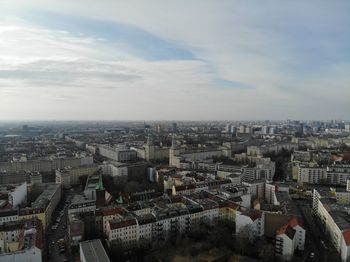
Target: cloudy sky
(174,60)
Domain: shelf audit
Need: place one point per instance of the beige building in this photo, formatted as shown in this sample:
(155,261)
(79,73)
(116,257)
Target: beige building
(69,176)
(46,165)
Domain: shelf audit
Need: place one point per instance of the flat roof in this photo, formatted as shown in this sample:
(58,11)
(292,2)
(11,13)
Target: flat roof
(93,251)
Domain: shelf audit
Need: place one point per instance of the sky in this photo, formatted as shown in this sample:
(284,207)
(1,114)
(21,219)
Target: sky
(174,60)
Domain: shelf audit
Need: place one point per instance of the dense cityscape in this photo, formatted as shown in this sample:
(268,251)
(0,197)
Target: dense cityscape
(175,191)
(174,131)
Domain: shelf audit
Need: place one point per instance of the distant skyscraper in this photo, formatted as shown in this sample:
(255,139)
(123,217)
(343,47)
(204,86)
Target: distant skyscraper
(174,127)
(301,129)
(241,129)
(230,129)
(265,130)
(233,129)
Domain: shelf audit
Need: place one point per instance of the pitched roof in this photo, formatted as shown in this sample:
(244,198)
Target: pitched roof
(294,221)
(112,211)
(254,214)
(288,230)
(99,185)
(115,224)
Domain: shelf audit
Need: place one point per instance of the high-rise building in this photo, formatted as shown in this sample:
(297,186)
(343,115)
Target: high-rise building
(174,127)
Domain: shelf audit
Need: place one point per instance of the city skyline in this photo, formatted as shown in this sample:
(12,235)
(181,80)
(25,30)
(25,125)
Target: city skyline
(183,60)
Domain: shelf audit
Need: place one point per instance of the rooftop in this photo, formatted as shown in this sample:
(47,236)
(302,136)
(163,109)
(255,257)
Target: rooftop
(93,251)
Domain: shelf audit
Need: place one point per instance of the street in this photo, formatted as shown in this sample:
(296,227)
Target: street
(53,235)
(316,241)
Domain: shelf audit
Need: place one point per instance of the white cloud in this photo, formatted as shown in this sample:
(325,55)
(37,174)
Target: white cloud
(247,43)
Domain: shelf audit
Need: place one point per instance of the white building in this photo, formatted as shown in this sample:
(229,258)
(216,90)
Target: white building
(270,192)
(289,238)
(253,219)
(145,228)
(334,219)
(312,175)
(257,189)
(115,169)
(17,194)
(119,153)
(345,246)
(109,214)
(123,230)
(338,174)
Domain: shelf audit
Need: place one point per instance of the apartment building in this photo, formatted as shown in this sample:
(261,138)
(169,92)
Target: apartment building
(123,230)
(15,194)
(312,175)
(253,219)
(334,218)
(69,176)
(120,153)
(46,165)
(290,237)
(338,174)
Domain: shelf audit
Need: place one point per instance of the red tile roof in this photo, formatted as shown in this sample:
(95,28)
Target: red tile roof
(112,211)
(119,224)
(346,156)
(346,235)
(294,221)
(288,230)
(253,214)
